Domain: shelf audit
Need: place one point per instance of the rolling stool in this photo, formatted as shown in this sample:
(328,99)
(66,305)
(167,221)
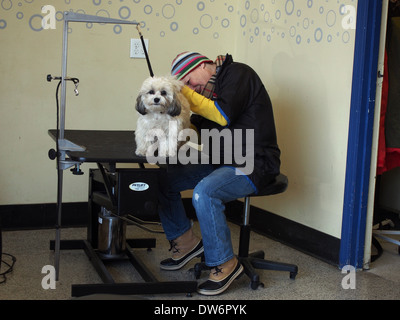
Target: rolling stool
(256,260)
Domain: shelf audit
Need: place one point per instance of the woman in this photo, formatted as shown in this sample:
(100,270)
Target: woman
(229,97)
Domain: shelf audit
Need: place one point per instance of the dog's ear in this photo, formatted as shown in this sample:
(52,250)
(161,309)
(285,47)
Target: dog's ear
(174,109)
(140,107)
(176,84)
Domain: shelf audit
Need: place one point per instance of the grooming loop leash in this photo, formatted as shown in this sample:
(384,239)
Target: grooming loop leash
(145,51)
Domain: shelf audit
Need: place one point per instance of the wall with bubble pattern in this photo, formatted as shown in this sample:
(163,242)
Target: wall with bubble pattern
(303,22)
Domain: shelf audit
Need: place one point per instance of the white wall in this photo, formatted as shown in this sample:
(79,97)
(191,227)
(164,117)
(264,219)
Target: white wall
(305,57)
(299,48)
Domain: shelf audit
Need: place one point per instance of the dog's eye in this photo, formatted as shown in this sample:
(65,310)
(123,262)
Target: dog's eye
(163,93)
(151,92)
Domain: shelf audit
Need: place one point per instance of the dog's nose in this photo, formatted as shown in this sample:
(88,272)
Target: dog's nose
(156,100)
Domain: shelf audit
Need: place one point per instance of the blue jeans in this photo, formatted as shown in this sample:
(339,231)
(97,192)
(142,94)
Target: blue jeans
(212,189)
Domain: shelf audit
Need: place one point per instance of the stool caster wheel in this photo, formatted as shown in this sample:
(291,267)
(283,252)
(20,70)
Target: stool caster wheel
(255,284)
(293,273)
(198,267)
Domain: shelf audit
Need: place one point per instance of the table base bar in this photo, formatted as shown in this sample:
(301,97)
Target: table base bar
(150,286)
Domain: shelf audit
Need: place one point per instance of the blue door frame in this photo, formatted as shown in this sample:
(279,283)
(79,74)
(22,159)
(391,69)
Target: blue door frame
(366,53)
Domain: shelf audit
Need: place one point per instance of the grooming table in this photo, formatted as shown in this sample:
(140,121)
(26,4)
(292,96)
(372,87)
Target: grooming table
(107,189)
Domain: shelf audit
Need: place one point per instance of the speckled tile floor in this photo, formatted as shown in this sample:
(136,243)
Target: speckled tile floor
(316,279)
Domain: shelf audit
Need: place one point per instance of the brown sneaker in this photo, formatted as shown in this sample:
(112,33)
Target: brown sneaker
(184,248)
(221,277)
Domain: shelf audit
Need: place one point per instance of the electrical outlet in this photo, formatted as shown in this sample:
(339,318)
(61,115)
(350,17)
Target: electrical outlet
(137,48)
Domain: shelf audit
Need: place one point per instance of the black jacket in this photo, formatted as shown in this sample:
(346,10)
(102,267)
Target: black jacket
(244,102)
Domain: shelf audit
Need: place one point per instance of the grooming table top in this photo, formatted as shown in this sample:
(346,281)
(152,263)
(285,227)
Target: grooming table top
(102,146)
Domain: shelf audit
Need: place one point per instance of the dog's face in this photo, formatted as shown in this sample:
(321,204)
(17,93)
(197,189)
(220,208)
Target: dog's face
(158,95)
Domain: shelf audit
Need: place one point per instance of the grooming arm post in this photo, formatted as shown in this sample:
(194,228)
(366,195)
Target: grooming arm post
(63,144)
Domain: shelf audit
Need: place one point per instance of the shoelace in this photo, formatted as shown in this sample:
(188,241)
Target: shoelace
(217,270)
(173,245)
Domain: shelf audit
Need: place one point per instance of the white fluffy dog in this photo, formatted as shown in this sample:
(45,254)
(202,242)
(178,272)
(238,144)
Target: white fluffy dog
(163,113)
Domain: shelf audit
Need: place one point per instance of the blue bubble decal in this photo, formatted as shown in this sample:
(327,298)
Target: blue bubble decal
(168,11)
(124,12)
(3,24)
(35,22)
(289,7)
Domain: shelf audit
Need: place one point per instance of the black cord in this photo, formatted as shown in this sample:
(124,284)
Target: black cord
(145,51)
(10,267)
(147,56)
(57,151)
(75,81)
(58,122)
(58,154)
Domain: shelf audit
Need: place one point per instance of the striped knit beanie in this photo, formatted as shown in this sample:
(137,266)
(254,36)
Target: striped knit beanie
(186,62)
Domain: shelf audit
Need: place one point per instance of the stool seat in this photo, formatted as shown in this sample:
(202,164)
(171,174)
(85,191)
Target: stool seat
(279,185)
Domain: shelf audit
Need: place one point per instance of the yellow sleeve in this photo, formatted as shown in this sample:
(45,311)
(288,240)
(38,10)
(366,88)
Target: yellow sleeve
(203,106)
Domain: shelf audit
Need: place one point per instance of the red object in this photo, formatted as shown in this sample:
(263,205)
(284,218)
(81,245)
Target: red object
(388,158)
